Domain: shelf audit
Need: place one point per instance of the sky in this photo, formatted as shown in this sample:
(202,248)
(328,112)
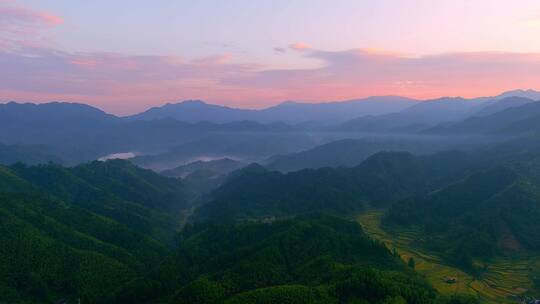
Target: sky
(125,56)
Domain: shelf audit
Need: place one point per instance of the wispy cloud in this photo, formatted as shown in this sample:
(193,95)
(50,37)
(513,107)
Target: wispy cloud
(359,72)
(299,46)
(16,14)
(21,26)
(127,83)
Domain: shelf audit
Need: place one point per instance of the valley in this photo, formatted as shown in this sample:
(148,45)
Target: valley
(270,152)
(260,212)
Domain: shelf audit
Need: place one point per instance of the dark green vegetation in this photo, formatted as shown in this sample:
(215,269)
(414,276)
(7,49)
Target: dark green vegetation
(380,180)
(351,152)
(310,259)
(107,232)
(486,214)
(80,232)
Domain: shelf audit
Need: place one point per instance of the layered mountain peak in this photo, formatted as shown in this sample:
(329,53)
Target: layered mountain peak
(528,93)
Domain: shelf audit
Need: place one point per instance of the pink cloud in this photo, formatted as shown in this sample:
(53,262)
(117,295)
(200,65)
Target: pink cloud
(20,26)
(299,46)
(24,15)
(83,62)
(356,73)
(127,83)
(218,59)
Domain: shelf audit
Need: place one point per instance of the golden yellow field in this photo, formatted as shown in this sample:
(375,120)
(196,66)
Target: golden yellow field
(504,280)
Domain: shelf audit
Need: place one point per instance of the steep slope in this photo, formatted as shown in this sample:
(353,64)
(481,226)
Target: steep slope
(81,232)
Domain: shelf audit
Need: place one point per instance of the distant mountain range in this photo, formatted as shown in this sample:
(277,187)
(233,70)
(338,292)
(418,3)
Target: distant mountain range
(53,114)
(390,111)
(521,119)
(287,112)
(435,112)
(531,94)
(183,132)
(351,152)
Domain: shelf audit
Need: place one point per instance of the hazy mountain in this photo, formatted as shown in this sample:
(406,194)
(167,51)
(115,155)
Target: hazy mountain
(53,114)
(194,111)
(78,133)
(217,167)
(333,112)
(56,125)
(530,94)
(351,152)
(417,117)
(499,105)
(242,146)
(288,112)
(515,120)
(28,154)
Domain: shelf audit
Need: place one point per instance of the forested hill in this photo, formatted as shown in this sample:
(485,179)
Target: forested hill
(310,259)
(383,178)
(103,232)
(486,214)
(69,233)
(108,232)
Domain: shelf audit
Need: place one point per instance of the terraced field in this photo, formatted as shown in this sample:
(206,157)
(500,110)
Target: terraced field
(505,280)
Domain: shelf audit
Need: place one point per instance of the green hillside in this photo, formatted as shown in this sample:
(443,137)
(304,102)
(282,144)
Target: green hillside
(310,259)
(378,181)
(73,233)
(487,214)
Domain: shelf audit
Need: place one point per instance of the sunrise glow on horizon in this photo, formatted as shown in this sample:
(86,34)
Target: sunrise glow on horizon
(256,54)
